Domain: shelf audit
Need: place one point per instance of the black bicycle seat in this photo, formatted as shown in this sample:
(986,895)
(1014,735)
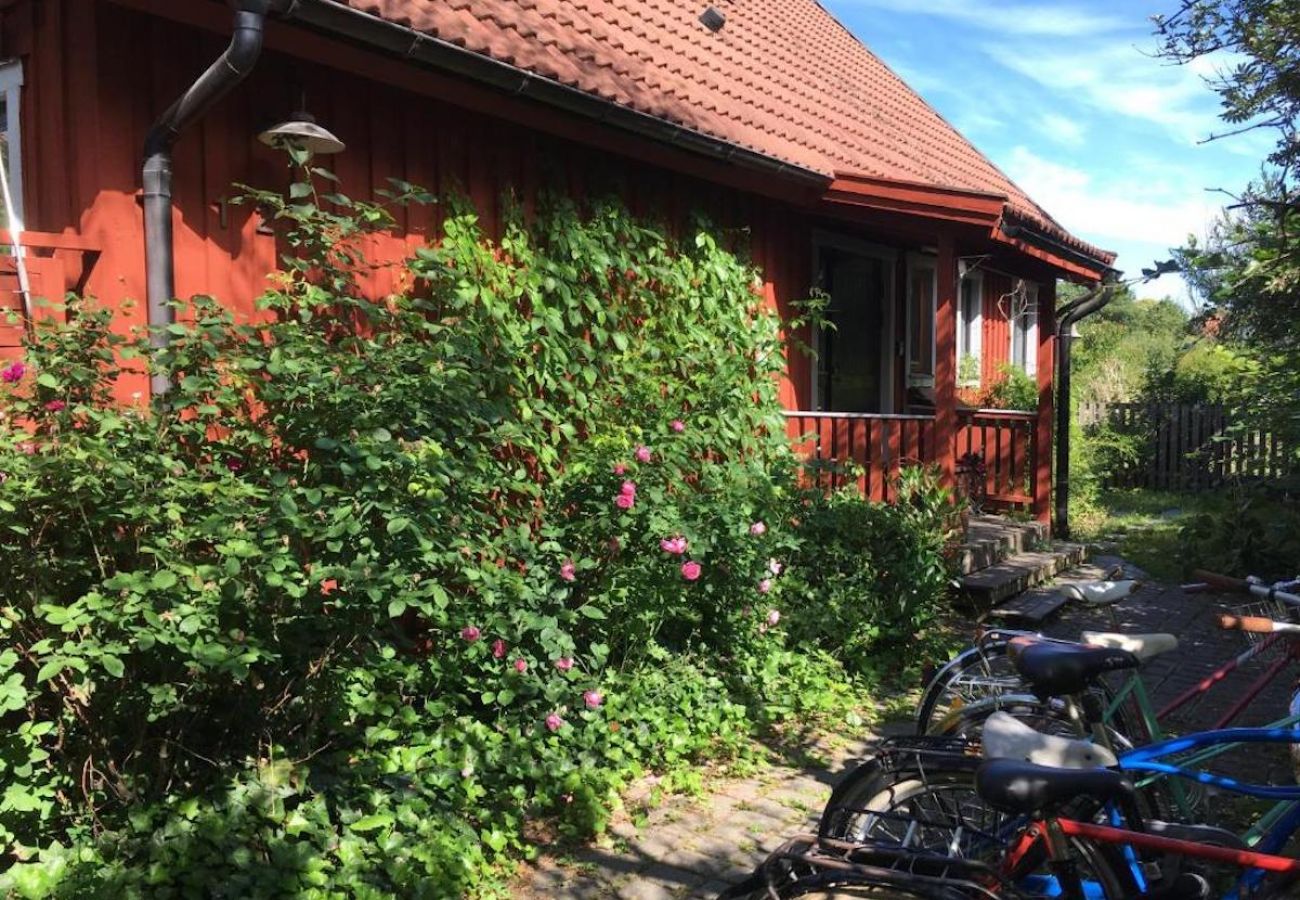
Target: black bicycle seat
(1026,789)
(1057,668)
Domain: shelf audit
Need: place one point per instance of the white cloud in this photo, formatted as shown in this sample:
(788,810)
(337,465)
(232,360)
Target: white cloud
(1009,18)
(1141,218)
(1118,79)
(1062,129)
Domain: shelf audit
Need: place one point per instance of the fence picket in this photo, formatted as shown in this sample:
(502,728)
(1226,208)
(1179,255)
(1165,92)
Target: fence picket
(1190,447)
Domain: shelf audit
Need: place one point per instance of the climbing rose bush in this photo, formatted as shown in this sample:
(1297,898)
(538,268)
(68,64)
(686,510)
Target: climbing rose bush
(379,580)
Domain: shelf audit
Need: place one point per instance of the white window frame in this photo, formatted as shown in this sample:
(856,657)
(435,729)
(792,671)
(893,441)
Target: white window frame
(889,256)
(930,264)
(976,281)
(11,84)
(1027,325)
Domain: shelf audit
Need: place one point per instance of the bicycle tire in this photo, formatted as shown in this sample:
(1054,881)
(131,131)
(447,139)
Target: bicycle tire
(991,665)
(908,814)
(972,663)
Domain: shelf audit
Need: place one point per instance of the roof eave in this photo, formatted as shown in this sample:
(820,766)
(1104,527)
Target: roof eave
(420,48)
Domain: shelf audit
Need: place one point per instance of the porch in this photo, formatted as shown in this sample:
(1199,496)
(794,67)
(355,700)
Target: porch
(869,449)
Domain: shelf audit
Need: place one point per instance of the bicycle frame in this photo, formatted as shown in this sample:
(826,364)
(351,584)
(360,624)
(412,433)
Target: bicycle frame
(1148,759)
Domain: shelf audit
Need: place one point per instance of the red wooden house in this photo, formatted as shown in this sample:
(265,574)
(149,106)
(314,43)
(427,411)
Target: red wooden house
(771,116)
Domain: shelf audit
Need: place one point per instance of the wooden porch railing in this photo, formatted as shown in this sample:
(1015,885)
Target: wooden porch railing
(880,444)
(1005,440)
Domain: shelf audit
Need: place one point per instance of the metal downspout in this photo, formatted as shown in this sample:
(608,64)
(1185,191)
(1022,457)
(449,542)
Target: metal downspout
(231,68)
(1073,312)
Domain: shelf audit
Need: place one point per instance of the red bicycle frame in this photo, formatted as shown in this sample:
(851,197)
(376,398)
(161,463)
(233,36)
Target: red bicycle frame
(1107,834)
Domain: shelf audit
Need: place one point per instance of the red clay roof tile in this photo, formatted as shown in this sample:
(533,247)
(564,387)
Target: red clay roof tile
(782,78)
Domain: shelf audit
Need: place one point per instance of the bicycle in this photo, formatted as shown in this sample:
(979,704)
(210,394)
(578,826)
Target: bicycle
(937,803)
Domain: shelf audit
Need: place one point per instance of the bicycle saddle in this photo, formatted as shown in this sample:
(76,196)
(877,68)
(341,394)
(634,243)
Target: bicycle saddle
(1145,647)
(1099,593)
(1055,668)
(1023,788)
(1006,737)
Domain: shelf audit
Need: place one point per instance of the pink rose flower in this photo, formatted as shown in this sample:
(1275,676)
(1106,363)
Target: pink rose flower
(678,426)
(625,501)
(466,772)
(593,699)
(567,571)
(674,545)
(521,666)
(628,488)
(775,567)
(643,454)
(56,406)
(27,448)
(619,468)
(773,617)
(757,528)
(691,570)
(499,649)
(13,373)
(564,663)
(235,465)
(470,633)
(765,585)
(554,722)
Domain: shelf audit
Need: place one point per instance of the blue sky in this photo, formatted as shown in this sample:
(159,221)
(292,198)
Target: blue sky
(1066,97)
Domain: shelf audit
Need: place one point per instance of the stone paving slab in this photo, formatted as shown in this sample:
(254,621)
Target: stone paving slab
(697,847)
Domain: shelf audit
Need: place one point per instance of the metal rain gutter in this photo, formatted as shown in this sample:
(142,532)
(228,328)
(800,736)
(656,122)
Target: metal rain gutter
(231,68)
(1073,312)
(406,43)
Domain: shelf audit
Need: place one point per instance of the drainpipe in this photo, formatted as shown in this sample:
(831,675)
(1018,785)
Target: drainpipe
(231,68)
(1071,314)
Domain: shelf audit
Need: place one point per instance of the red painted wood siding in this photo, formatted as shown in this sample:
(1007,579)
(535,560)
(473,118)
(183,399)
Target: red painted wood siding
(93,89)
(996,336)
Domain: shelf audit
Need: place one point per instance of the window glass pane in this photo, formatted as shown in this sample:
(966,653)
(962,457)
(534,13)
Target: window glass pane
(921,340)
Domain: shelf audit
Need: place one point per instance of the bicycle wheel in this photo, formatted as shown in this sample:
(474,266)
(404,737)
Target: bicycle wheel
(809,867)
(973,674)
(940,813)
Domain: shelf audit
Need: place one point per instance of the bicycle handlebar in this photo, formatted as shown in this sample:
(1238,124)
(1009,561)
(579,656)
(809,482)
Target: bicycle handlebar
(1224,582)
(1256,625)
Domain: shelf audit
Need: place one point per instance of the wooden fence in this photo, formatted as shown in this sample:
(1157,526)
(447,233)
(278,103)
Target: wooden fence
(1188,446)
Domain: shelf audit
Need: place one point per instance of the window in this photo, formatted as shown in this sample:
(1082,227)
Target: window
(970,322)
(922,296)
(1024,328)
(11,145)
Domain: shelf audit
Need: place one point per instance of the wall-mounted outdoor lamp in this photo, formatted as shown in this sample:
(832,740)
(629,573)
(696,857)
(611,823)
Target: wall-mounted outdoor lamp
(301,130)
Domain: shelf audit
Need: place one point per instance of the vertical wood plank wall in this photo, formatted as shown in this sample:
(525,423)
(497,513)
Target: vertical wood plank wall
(91,99)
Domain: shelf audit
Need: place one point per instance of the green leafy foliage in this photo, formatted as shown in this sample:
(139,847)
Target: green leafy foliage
(1013,389)
(378,581)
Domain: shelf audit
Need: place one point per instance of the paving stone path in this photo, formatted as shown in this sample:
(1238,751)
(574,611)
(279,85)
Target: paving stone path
(696,847)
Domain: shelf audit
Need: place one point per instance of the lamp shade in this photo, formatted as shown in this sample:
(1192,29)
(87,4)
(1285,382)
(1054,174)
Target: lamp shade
(301,130)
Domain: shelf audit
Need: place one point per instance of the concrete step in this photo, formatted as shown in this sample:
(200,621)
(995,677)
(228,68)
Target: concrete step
(1019,572)
(991,539)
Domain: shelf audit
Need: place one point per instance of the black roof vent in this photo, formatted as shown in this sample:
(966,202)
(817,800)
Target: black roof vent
(712,19)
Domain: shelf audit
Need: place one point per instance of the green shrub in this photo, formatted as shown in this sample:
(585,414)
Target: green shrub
(1013,389)
(377,581)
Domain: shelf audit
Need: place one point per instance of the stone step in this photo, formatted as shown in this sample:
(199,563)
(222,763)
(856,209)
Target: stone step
(1030,609)
(1019,572)
(991,539)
